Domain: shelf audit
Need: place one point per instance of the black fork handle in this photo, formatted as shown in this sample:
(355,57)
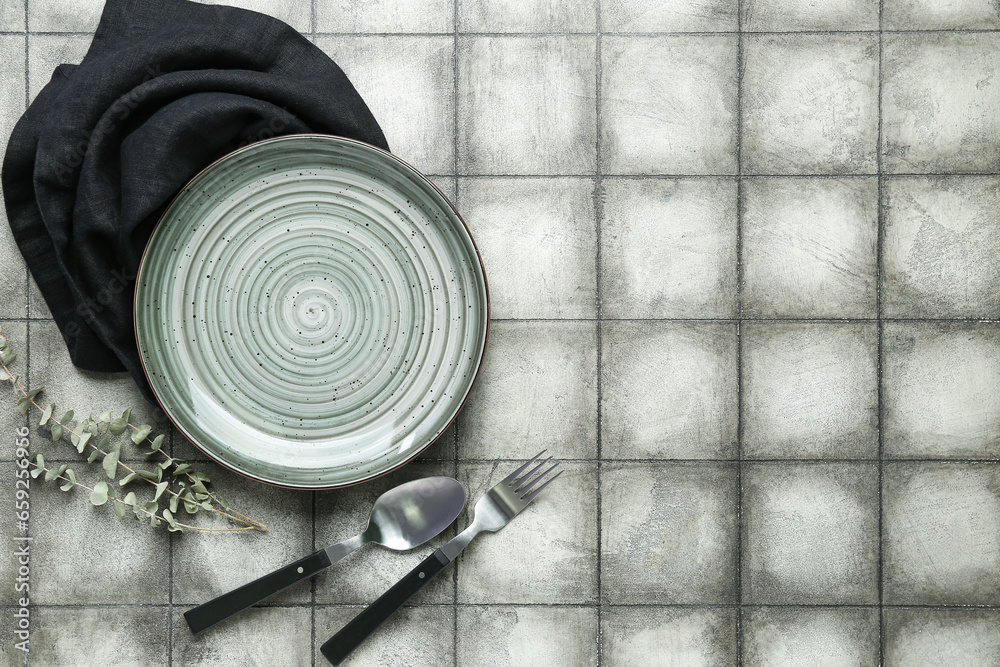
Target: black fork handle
(338,647)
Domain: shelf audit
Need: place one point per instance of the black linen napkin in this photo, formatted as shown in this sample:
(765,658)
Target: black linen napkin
(166,87)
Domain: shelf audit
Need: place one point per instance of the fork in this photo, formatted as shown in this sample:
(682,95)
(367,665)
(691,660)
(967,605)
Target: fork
(494,510)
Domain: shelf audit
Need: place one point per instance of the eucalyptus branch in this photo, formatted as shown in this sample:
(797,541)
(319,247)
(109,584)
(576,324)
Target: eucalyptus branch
(99,496)
(193,492)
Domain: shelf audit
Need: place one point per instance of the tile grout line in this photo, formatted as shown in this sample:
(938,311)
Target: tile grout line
(739,332)
(312,590)
(880,314)
(27,277)
(454,167)
(312,580)
(170,579)
(599,329)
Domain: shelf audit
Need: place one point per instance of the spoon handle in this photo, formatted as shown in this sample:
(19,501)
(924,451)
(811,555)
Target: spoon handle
(206,615)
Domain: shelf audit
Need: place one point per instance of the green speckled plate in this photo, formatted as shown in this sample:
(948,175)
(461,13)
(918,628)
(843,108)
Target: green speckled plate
(311,311)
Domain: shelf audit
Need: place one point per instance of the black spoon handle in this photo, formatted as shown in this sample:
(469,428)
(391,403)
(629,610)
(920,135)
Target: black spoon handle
(205,616)
(351,635)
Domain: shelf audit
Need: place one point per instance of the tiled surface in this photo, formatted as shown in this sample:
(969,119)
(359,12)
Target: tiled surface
(744,278)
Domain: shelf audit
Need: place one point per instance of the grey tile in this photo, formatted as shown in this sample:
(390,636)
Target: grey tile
(208,565)
(537,389)
(668,248)
(85,392)
(793,16)
(296,13)
(12,268)
(669,533)
(941,391)
(789,637)
(64,15)
(679,119)
(939,102)
(526,105)
(933,15)
(668,390)
(13,273)
(86,555)
(810,533)
(362,577)
(809,247)
(664,637)
(408,83)
(810,104)
(11,89)
(10,418)
(88,637)
(46,52)
(940,539)
(12,15)
(261,637)
(941,247)
(37,307)
(510,16)
(547,555)
(412,637)
(918,637)
(527,636)
(385,16)
(538,241)
(659,16)
(810,390)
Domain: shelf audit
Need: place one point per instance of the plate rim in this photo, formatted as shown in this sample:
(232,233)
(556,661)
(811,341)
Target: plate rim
(421,176)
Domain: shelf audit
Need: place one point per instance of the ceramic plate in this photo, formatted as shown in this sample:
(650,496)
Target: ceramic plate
(311,311)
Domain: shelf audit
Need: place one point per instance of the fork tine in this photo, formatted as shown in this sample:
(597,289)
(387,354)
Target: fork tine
(526,476)
(524,488)
(531,496)
(511,477)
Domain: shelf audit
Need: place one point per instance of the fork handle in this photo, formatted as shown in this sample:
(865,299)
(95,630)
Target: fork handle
(338,647)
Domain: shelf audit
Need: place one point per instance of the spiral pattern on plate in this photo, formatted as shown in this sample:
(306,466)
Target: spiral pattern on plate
(311,311)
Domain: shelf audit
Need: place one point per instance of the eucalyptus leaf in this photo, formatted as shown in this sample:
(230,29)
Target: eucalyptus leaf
(157,443)
(120,510)
(53,474)
(81,442)
(4,375)
(174,500)
(40,461)
(66,418)
(160,488)
(7,355)
(57,432)
(145,474)
(141,433)
(23,404)
(104,416)
(99,495)
(117,426)
(46,414)
(35,392)
(35,472)
(93,455)
(190,504)
(199,487)
(181,468)
(71,480)
(110,462)
(130,499)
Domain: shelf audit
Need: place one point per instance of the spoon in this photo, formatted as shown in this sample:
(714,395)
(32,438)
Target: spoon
(401,518)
